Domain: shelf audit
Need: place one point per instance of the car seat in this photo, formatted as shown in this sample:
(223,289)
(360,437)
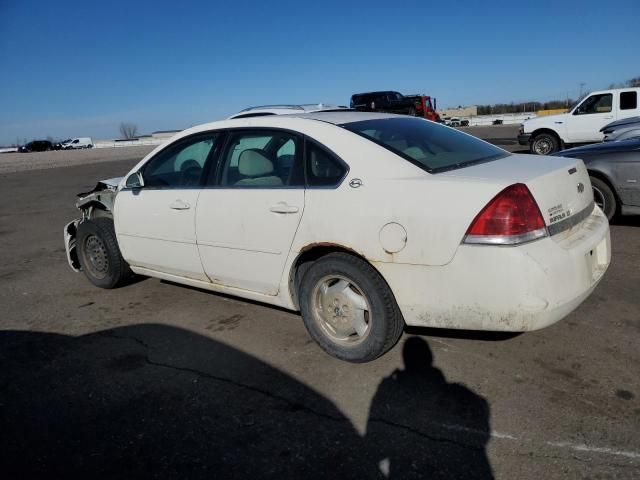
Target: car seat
(257,168)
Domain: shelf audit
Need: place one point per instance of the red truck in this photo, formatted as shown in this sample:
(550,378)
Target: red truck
(394,102)
(425,107)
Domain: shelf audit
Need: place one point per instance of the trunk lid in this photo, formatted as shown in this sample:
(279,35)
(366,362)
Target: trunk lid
(560,186)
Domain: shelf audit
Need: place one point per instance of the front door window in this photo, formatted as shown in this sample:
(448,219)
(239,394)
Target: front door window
(601,103)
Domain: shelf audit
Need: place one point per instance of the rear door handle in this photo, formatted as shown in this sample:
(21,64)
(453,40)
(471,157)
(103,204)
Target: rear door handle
(283,207)
(179,205)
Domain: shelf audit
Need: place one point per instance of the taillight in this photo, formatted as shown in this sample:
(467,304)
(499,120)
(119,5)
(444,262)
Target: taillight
(510,218)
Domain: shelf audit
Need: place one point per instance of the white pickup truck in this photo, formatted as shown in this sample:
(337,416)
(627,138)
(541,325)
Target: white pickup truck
(550,133)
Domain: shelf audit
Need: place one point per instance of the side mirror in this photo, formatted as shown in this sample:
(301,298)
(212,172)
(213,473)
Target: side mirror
(135,180)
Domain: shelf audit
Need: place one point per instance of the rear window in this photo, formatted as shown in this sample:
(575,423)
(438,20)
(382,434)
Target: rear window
(430,146)
(360,99)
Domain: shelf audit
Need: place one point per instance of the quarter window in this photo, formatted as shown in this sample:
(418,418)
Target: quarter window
(595,104)
(322,168)
(262,159)
(628,100)
(180,165)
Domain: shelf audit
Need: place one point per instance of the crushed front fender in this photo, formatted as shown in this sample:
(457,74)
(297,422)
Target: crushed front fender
(70,231)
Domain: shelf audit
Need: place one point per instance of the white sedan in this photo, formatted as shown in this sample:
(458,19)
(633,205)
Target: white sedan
(364,222)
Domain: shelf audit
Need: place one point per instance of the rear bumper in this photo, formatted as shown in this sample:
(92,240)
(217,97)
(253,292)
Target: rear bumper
(524,138)
(516,289)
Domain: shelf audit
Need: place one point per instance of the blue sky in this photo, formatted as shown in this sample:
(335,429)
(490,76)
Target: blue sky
(71,68)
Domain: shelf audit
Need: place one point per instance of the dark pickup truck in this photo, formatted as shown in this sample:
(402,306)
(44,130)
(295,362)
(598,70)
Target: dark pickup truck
(385,101)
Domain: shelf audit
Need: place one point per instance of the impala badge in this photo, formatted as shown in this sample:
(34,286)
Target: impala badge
(355,183)
(580,187)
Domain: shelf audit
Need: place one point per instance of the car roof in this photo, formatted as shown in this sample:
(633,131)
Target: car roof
(290,120)
(286,109)
(299,107)
(377,92)
(619,123)
(628,145)
(350,116)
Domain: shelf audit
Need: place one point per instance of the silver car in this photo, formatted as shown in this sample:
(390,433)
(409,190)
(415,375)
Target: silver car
(621,129)
(614,171)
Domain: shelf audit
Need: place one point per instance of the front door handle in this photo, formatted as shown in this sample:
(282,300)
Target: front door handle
(283,207)
(179,205)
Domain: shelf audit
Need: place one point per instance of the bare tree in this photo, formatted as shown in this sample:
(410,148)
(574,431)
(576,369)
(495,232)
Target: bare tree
(634,82)
(128,130)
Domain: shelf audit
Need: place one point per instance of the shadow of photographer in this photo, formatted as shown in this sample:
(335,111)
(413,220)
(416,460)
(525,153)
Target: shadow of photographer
(423,427)
(162,402)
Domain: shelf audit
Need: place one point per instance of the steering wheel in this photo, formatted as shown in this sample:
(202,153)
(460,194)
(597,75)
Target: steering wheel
(190,173)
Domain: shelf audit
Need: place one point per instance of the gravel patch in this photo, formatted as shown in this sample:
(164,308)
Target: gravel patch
(19,162)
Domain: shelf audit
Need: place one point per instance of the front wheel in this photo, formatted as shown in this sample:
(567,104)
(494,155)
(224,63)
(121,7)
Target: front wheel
(544,144)
(604,197)
(99,254)
(348,309)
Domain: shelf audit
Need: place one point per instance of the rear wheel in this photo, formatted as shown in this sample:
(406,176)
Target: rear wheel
(348,309)
(544,144)
(99,254)
(604,197)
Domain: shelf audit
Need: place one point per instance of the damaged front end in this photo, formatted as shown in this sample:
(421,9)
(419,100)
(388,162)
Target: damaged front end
(94,203)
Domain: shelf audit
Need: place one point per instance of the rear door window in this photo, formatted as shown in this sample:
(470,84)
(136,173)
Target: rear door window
(262,159)
(628,100)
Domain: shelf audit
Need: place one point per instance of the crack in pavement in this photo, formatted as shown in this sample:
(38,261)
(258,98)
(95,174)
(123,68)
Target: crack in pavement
(295,406)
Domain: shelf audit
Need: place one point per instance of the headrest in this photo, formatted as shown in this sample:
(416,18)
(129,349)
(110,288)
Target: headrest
(254,163)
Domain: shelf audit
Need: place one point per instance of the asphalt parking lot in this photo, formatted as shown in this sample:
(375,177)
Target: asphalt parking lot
(155,379)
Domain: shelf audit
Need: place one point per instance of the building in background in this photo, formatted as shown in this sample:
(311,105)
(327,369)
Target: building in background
(470,111)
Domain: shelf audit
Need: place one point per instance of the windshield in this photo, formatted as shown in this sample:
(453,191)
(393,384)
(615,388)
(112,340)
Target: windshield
(430,146)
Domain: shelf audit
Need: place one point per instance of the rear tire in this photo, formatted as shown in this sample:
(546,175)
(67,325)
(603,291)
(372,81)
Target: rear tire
(348,309)
(604,197)
(99,254)
(544,144)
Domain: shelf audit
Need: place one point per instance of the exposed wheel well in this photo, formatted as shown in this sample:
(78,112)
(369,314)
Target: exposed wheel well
(95,209)
(306,258)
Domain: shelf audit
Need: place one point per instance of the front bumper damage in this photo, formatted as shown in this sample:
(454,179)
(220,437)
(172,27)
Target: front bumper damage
(99,200)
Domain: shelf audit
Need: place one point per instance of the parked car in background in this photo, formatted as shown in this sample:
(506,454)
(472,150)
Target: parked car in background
(365,222)
(264,110)
(454,122)
(384,101)
(614,171)
(75,143)
(58,145)
(621,129)
(36,146)
(583,124)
